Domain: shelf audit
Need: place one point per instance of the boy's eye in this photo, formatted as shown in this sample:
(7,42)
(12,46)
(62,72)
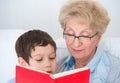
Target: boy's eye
(52,58)
(39,59)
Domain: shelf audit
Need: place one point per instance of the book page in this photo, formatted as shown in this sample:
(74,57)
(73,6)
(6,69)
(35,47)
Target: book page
(68,72)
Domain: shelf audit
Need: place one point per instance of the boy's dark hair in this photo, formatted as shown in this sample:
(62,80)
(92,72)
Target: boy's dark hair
(27,42)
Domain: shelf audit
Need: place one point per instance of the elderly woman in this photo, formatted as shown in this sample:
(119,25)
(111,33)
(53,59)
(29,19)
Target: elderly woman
(83,23)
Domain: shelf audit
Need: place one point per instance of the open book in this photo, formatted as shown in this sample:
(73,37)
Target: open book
(29,75)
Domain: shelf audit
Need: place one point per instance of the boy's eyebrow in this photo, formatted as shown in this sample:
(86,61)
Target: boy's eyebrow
(53,53)
(33,56)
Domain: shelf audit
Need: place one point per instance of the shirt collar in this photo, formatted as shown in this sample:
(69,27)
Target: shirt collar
(95,60)
(92,64)
(70,63)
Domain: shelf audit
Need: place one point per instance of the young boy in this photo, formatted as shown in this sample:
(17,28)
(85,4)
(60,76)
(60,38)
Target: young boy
(36,49)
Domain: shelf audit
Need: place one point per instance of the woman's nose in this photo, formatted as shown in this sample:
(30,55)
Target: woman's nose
(77,42)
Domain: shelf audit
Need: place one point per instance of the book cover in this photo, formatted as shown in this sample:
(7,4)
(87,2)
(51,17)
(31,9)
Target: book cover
(29,75)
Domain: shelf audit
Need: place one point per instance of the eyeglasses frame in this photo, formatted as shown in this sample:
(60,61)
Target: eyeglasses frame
(80,36)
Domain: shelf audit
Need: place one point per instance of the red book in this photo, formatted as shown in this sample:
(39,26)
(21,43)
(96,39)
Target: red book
(29,75)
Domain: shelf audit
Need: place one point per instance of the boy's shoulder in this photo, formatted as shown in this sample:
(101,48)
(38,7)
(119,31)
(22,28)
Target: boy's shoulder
(12,80)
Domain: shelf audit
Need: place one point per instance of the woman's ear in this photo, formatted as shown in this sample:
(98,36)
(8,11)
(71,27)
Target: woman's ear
(99,39)
(22,62)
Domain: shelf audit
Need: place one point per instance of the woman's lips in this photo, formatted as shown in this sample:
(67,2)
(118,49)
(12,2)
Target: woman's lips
(77,50)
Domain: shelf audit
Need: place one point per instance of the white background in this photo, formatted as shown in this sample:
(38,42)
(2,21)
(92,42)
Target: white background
(18,16)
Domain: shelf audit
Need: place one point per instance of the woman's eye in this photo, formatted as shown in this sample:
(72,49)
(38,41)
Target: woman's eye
(85,34)
(70,32)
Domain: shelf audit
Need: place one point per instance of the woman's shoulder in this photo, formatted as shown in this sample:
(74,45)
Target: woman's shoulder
(114,74)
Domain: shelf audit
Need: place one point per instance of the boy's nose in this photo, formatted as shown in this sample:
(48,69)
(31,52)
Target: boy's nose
(47,63)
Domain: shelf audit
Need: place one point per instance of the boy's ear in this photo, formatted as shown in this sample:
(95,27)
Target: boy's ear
(22,62)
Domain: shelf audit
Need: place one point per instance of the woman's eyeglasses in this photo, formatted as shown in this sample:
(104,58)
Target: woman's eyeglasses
(82,38)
